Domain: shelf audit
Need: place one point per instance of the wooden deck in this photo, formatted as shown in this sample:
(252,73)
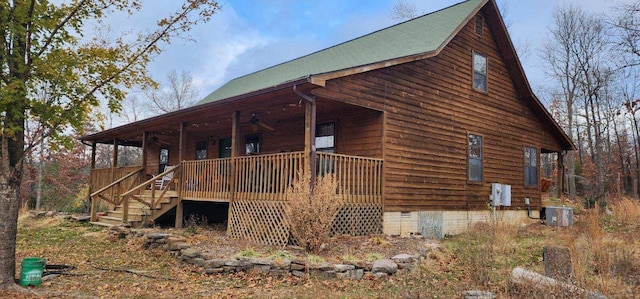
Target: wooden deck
(247,179)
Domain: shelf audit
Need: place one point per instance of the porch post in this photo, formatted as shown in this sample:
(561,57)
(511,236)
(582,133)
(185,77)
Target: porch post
(145,156)
(114,159)
(181,154)
(310,138)
(560,173)
(235,145)
(93,154)
(94,203)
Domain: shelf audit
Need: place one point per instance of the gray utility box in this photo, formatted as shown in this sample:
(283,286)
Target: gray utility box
(558,216)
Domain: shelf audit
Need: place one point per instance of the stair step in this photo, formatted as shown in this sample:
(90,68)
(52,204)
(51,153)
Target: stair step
(170,193)
(110,220)
(101,224)
(132,216)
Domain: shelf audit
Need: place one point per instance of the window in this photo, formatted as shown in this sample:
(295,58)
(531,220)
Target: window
(201,150)
(163,159)
(325,142)
(479,25)
(325,136)
(475,158)
(479,72)
(252,144)
(530,166)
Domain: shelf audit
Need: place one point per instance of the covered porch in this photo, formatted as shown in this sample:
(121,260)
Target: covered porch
(246,152)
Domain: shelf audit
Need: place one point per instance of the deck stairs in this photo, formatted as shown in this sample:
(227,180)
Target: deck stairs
(139,213)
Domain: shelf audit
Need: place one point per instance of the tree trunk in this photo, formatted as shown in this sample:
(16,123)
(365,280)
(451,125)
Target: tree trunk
(9,207)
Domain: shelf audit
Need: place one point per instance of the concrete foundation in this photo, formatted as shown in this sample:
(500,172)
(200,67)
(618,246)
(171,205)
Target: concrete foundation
(438,224)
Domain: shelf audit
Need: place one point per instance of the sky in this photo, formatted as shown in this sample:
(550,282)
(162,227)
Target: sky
(247,35)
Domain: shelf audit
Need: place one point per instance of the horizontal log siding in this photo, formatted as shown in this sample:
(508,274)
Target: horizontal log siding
(431,108)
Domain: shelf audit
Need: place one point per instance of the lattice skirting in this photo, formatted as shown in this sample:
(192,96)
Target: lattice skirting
(263,221)
(358,220)
(260,221)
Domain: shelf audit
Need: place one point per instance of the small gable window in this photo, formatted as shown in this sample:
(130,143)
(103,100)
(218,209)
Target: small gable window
(479,72)
(479,25)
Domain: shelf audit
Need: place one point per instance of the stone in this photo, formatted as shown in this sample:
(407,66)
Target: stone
(50,214)
(241,264)
(356,274)
(298,267)
(557,263)
(198,262)
(176,239)
(213,270)
(281,264)
(343,268)
(402,258)
(188,252)
(404,265)
(261,269)
(297,273)
(215,263)
(83,218)
(358,264)
(156,236)
(321,267)
(478,295)
(260,261)
(328,274)
(384,266)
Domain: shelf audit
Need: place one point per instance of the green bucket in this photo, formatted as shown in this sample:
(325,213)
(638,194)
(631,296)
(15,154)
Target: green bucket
(31,270)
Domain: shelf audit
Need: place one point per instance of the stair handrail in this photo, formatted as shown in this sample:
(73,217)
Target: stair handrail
(97,195)
(136,190)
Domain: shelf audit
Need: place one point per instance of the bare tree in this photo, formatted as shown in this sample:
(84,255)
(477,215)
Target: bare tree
(403,10)
(557,52)
(178,94)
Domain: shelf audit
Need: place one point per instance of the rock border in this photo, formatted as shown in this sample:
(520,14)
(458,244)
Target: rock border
(352,270)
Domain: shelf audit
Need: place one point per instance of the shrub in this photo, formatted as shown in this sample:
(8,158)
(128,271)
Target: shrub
(310,211)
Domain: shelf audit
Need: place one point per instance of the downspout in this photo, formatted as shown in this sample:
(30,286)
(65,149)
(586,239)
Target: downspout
(311,102)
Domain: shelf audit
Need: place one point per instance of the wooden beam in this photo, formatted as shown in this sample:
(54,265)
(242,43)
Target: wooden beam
(560,178)
(145,155)
(235,144)
(310,138)
(93,155)
(114,159)
(182,149)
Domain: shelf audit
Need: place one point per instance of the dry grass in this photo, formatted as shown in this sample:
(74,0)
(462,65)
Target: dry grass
(311,211)
(626,211)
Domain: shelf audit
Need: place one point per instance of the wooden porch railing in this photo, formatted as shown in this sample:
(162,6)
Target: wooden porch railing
(128,177)
(266,177)
(207,179)
(359,178)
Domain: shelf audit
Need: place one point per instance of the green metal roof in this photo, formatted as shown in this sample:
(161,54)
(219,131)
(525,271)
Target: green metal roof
(420,35)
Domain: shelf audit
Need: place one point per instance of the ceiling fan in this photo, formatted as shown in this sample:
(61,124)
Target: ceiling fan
(155,140)
(256,123)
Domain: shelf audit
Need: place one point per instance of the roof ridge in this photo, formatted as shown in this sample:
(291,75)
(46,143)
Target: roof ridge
(347,41)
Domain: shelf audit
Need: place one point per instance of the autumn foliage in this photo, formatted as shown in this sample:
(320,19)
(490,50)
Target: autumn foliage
(311,211)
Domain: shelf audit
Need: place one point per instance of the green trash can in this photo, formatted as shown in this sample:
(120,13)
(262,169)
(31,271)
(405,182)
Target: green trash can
(31,270)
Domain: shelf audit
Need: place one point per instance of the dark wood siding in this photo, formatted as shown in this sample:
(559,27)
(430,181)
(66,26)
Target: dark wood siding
(430,108)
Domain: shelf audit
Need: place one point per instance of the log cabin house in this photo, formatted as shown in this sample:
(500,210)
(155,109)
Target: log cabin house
(418,121)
